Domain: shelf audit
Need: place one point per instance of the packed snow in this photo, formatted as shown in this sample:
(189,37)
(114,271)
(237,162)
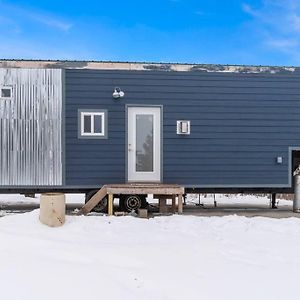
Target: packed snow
(174,257)
(21,199)
(205,199)
(233,199)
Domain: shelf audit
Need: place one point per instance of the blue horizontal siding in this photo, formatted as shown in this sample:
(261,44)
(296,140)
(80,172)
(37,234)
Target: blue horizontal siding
(240,123)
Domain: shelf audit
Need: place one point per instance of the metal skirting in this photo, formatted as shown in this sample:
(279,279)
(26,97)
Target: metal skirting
(31,128)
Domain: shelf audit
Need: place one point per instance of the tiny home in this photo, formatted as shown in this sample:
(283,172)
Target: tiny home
(75,126)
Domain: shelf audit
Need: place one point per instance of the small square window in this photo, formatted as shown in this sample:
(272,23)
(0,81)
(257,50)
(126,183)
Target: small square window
(6,92)
(92,124)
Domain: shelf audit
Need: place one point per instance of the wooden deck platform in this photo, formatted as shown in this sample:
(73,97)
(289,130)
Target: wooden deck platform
(162,191)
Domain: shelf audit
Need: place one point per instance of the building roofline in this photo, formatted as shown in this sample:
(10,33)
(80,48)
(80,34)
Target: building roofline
(143,66)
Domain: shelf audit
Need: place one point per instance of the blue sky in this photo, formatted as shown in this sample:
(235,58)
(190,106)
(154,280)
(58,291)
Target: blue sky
(260,32)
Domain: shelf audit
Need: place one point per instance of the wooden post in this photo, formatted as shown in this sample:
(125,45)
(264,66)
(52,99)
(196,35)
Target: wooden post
(110,204)
(162,204)
(173,204)
(180,206)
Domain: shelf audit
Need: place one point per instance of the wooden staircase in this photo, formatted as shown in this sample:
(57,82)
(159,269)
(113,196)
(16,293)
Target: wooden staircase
(173,190)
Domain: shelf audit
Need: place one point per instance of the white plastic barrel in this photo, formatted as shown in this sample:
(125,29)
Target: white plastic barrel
(53,209)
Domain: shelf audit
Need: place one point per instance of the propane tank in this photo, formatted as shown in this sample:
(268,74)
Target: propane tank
(296,203)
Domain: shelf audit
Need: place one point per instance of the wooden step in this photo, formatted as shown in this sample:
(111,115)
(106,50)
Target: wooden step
(93,201)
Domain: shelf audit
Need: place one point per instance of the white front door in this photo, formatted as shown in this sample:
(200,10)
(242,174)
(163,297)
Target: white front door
(144,144)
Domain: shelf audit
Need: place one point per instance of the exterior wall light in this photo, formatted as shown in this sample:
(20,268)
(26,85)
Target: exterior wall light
(118,93)
(183,127)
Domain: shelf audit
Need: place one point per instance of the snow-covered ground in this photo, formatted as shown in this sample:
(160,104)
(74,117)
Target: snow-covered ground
(17,198)
(232,199)
(175,257)
(206,199)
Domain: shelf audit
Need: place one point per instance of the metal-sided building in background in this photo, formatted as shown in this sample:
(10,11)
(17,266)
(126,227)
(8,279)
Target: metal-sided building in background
(67,125)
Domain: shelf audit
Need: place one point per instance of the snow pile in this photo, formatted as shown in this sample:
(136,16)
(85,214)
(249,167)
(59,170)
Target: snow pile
(177,257)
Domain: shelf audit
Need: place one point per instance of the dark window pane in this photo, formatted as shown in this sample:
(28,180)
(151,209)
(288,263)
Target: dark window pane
(144,143)
(5,93)
(98,124)
(87,124)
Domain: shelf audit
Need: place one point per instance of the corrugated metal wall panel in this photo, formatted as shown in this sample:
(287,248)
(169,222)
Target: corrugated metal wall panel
(31,127)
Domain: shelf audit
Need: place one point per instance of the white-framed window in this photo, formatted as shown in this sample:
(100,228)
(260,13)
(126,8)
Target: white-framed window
(93,124)
(5,92)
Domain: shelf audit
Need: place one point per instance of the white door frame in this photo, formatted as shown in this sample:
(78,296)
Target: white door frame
(132,174)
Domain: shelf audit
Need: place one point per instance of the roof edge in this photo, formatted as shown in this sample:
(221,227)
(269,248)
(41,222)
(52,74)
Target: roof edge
(143,66)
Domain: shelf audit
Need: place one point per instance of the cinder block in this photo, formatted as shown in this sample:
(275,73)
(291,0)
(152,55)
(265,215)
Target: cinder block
(143,213)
